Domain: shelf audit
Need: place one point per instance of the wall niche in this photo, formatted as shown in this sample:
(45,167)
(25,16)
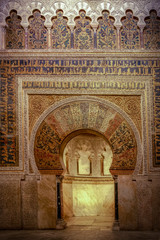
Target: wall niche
(87,158)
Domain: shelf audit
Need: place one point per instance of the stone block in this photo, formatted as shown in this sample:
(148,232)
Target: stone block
(29,203)
(67,200)
(47,203)
(127,202)
(93,199)
(156,202)
(10,204)
(144,203)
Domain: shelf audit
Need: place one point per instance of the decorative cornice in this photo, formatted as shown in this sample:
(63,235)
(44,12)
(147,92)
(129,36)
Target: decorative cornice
(71,9)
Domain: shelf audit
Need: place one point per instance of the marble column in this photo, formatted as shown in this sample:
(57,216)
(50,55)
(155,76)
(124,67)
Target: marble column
(141,37)
(49,38)
(95,36)
(2,37)
(118,37)
(60,223)
(26,37)
(116,220)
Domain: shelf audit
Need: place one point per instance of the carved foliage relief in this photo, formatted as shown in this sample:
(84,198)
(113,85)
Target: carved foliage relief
(151,31)
(15,34)
(60,32)
(129,32)
(37,32)
(69,118)
(83,32)
(106,32)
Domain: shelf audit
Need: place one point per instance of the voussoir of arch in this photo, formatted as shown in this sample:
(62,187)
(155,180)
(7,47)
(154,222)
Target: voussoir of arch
(57,122)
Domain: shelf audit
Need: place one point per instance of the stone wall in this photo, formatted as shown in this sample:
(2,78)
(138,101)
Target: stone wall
(139,204)
(27,203)
(110,77)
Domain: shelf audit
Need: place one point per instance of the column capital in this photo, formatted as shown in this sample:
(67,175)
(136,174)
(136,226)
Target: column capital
(115,178)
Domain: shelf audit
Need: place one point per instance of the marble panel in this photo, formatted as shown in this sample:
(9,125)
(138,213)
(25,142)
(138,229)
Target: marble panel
(126,202)
(10,204)
(93,199)
(144,203)
(67,200)
(29,202)
(156,202)
(47,202)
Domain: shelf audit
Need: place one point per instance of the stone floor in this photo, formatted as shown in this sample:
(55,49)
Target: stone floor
(80,228)
(91,222)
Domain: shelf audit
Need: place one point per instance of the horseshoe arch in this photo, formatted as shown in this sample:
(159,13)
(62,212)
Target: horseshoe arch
(80,113)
